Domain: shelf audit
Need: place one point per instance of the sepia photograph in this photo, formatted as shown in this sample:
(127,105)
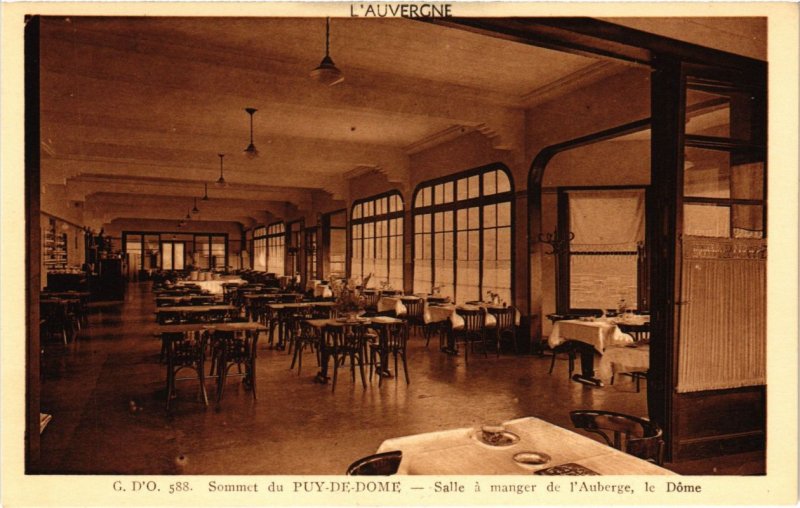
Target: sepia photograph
(391,240)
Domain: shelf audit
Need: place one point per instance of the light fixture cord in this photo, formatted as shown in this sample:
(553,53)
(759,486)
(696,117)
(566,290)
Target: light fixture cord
(221,156)
(251,128)
(327,36)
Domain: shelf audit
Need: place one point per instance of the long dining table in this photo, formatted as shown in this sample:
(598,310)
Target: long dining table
(195,311)
(462,452)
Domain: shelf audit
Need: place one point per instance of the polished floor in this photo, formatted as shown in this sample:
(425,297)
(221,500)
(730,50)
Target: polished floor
(105,392)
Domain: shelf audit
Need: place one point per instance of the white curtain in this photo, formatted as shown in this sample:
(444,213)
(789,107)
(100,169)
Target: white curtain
(722,339)
(606,220)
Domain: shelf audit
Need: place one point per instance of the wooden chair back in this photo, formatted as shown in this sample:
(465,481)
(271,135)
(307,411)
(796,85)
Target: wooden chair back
(380,464)
(633,435)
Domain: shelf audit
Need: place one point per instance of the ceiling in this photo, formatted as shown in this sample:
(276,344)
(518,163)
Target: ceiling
(133,108)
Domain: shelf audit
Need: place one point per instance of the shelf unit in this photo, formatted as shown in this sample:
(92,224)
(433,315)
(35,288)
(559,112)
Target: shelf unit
(55,248)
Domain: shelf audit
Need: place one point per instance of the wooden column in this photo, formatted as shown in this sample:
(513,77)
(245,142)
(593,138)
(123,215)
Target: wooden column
(32,245)
(663,219)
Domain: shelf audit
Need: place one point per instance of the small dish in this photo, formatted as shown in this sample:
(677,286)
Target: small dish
(531,458)
(499,439)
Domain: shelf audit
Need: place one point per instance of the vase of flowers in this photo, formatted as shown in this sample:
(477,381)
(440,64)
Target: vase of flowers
(349,301)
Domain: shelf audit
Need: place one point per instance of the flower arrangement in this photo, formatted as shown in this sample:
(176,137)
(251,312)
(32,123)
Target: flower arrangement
(349,300)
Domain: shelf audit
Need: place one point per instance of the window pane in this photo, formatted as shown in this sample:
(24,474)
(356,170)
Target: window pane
(463,245)
(489,216)
(504,214)
(448,192)
(461,219)
(461,192)
(473,217)
(490,244)
(599,282)
(503,183)
(706,220)
(438,194)
(490,183)
(426,196)
(748,221)
(747,181)
(707,114)
(474,186)
(177,261)
(166,256)
(474,244)
(707,173)
(504,243)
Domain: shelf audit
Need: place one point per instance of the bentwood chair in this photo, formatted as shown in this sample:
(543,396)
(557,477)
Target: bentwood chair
(232,348)
(414,309)
(185,351)
(380,464)
(474,330)
(395,341)
(310,337)
(505,329)
(633,435)
(347,342)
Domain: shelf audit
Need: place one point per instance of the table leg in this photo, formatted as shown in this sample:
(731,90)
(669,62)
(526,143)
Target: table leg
(384,348)
(587,366)
(322,376)
(451,348)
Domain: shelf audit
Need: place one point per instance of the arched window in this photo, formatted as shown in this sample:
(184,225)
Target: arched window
(276,248)
(376,225)
(462,234)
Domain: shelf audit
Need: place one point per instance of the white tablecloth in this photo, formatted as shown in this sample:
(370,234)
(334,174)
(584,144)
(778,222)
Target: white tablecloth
(618,359)
(439,313)
(599,334)
(459,452)
(212,286)
(395,303)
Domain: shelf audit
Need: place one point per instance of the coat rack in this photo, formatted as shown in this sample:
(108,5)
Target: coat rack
(557,243)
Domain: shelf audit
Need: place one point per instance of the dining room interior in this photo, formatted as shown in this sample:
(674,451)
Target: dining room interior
(309,245)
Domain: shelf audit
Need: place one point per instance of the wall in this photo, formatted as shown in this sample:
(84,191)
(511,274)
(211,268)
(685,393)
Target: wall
(617,100)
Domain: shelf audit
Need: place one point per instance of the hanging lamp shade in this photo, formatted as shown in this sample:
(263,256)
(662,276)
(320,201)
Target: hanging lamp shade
(195,210)
(251,151)
(327,73)
(205,196)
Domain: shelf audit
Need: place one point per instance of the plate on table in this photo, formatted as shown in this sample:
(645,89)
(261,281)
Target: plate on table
(531,458)
(499,440)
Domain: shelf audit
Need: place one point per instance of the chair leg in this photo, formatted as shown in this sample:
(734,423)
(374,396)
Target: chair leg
(202,377)
(251,368)
(405,366)
(552,363)
(361,370)
(335,372)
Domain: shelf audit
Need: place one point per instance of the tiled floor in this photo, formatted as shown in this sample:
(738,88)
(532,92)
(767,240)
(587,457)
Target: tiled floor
(295,426)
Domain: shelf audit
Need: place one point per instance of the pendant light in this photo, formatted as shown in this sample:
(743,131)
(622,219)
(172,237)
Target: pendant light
(205,196)
(195,210)
(327,73)
(221,180)
(251,151)
(188,215)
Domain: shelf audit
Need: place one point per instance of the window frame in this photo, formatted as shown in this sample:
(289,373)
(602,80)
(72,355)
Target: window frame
(374,219)
(479,201)
(563,280)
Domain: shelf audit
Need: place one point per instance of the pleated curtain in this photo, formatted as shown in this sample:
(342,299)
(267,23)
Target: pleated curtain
(722,337)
